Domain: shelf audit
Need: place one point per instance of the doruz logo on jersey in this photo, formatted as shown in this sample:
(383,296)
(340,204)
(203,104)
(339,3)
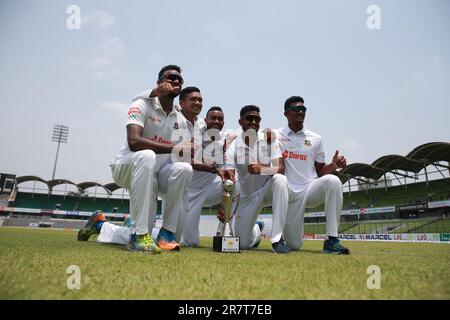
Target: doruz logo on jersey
(292,155)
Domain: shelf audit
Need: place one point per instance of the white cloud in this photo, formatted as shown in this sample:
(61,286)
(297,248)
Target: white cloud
(111,50)
(100,62)
(99,75)
(101,18)
(117,106)
(351,144)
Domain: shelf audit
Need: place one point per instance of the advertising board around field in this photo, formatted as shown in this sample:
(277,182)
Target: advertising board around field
(439,204)
(400,237)
(445,237)
(25,210)
(354,212)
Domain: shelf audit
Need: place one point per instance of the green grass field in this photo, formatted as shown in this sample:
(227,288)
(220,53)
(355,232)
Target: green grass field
(34,265)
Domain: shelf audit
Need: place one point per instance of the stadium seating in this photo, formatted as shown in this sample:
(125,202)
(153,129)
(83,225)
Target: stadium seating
(429,225)
(44,201)
(69,203)
(396,195)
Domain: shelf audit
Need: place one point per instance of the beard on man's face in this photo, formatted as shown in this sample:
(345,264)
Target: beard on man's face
(174,94)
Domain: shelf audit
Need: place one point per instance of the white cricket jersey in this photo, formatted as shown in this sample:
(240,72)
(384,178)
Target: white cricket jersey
(212,151)
(198,127)
(158,126)
(196,130)
(239,155)
(300,150)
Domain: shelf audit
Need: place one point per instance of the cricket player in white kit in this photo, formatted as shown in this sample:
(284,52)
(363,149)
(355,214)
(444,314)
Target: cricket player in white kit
(206,183)
(191,103)
(310,180)
(145,167)
(261,181)
(205,188)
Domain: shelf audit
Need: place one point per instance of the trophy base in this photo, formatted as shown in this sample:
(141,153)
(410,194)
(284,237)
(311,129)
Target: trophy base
(225,244)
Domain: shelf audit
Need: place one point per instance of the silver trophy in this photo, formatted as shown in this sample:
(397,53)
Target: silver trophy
(227,242)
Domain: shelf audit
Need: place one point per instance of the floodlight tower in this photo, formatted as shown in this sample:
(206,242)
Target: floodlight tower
(60,134)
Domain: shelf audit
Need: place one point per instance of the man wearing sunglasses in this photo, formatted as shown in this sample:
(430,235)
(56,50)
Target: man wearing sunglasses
(311,182)
(260,171)
(145,168)
(204,187)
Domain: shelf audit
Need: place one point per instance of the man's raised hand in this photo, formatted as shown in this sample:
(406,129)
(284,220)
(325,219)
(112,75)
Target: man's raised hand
(339,161)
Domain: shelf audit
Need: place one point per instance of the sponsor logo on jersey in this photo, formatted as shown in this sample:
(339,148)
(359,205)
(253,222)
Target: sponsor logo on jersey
(160,139)
(133,113)
(292,155)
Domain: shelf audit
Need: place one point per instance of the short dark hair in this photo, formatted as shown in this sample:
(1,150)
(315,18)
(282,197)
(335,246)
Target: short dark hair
(214,108)
(168,67)
(248,108)
(187,91)
(292,100)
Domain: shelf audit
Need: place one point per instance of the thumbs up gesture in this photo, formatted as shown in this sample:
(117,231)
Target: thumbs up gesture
(339,161)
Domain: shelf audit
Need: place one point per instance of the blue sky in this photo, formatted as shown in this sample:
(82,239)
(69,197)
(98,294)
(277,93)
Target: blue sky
(369,92)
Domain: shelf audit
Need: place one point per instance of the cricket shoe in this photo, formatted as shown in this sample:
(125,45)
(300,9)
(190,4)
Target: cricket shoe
(166,241)
(142,243)
(127,221)
(260,223)
(280,246)
(334,246)
(90,228)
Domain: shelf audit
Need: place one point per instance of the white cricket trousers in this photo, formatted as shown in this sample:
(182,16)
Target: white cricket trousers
(142,174)
(113,234)
(273,192)
(210,194)
(326,189)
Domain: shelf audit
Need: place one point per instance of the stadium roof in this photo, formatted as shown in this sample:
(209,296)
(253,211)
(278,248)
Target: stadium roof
(52,183)
(30,178)
(110,187)
(360,170)
(415,161)
(89,184)
(431,152)
(395,162)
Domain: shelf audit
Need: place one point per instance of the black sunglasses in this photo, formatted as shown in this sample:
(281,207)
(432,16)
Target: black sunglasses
(251,118)
(297,108)
(175,77)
